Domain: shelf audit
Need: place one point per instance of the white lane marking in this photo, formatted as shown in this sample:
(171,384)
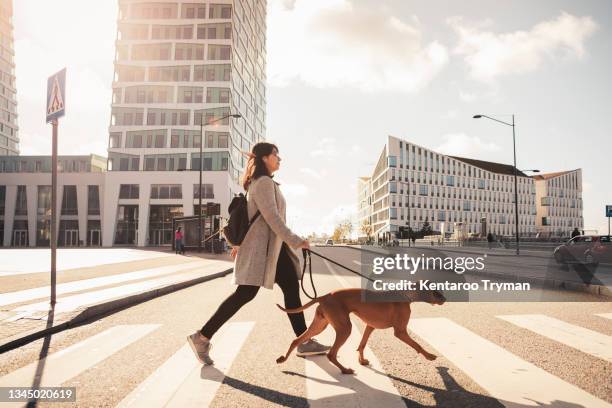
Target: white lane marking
(65,364)
(85,284)
(38,259)
(605,315)
(585,340)
(70,303)
(343,280)
(369,386)
(327,387)
(506,377)
(182,381)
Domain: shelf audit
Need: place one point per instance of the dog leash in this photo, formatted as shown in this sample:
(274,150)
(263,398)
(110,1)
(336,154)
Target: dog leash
(308,261)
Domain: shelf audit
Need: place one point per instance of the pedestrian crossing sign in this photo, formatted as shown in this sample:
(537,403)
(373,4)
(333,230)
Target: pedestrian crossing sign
(56,95)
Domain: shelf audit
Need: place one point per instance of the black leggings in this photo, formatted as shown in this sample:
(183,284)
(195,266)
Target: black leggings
(286,278)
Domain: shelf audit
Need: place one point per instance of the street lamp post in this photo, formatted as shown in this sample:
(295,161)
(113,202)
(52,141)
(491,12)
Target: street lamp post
(200,227)
(516,217)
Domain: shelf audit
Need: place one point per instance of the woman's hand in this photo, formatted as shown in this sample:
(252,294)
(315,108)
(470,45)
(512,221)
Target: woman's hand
(234,251)
(305,244)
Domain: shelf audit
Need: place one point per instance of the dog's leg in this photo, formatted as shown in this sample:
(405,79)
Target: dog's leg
(402,334)
(366,335)
(319,323)
(343,331)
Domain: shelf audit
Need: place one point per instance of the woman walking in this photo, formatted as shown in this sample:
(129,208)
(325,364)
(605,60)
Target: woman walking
(265,256)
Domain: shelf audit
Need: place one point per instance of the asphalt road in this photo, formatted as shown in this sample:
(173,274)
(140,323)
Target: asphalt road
(490,354)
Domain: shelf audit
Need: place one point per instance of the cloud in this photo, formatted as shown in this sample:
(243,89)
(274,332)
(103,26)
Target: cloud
(489,55)
(334,43)
(460,144)
(326,147)
(318,175)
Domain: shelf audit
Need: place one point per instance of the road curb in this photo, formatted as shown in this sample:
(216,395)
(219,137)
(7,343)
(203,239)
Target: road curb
(96,310)
(599,290)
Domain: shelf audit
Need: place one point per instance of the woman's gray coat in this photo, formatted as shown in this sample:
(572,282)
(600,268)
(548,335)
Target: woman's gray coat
(258,254)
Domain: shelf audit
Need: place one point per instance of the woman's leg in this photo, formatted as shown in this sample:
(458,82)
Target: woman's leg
(286,278)
(229,307)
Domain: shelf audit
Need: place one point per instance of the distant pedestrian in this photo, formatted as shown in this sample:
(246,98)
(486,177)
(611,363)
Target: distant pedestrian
(490,240)
(179,248)
(575,232)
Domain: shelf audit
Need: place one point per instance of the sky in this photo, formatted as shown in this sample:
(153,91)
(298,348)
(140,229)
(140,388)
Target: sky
(344,74)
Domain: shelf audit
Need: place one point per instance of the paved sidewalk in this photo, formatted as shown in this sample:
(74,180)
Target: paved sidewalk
(86,292)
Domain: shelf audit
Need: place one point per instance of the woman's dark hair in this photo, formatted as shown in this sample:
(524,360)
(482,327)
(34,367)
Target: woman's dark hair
(255,166)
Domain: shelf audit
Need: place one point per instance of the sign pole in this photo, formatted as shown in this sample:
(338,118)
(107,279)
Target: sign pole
(53,211)
(56,108)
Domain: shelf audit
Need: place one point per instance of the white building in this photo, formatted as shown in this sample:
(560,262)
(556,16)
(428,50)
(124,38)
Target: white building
(412,185)
(9,138)
(25,200)
(559,199)
(177,62)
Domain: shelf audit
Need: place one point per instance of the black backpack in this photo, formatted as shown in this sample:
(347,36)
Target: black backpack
(238,223)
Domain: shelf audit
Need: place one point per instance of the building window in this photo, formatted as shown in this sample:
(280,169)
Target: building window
(44,201)
(129,191)
(2,199)
(450,180)
(93,200)
(392,161)
(21,204)
(164,191)
(207,191)
(69,201)
(423,189)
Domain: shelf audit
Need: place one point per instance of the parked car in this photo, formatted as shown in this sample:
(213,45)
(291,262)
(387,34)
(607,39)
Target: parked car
(329,242)
(585,249)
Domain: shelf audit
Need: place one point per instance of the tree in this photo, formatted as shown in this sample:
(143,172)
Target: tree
(426,228)
(366,228)
(343,230)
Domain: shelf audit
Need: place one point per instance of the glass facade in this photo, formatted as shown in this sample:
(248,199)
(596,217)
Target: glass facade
(43,214)
(126,232)
(69,201)
(203,69)
(68,235)
(94,233)
(160,223)
(9,138)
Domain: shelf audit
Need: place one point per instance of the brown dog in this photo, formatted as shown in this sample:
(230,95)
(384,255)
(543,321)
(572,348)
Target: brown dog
(335,308)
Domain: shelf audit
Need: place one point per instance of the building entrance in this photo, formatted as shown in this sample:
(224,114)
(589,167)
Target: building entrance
(20,238)
(71,238)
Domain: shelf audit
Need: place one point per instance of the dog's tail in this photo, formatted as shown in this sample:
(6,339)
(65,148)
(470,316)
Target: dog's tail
(301,308)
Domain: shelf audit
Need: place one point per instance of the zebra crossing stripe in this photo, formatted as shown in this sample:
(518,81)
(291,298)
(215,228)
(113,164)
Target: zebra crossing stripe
(327,387)
(71,303)
(182,381)
(65,364)
(369,387)
(85,284)
(580,338)
(605,315)
(506,377)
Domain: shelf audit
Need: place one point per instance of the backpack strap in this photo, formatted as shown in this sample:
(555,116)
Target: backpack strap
(256,214)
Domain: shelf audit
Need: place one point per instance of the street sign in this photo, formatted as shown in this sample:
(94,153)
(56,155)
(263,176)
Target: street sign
(56,95)
(608,210)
